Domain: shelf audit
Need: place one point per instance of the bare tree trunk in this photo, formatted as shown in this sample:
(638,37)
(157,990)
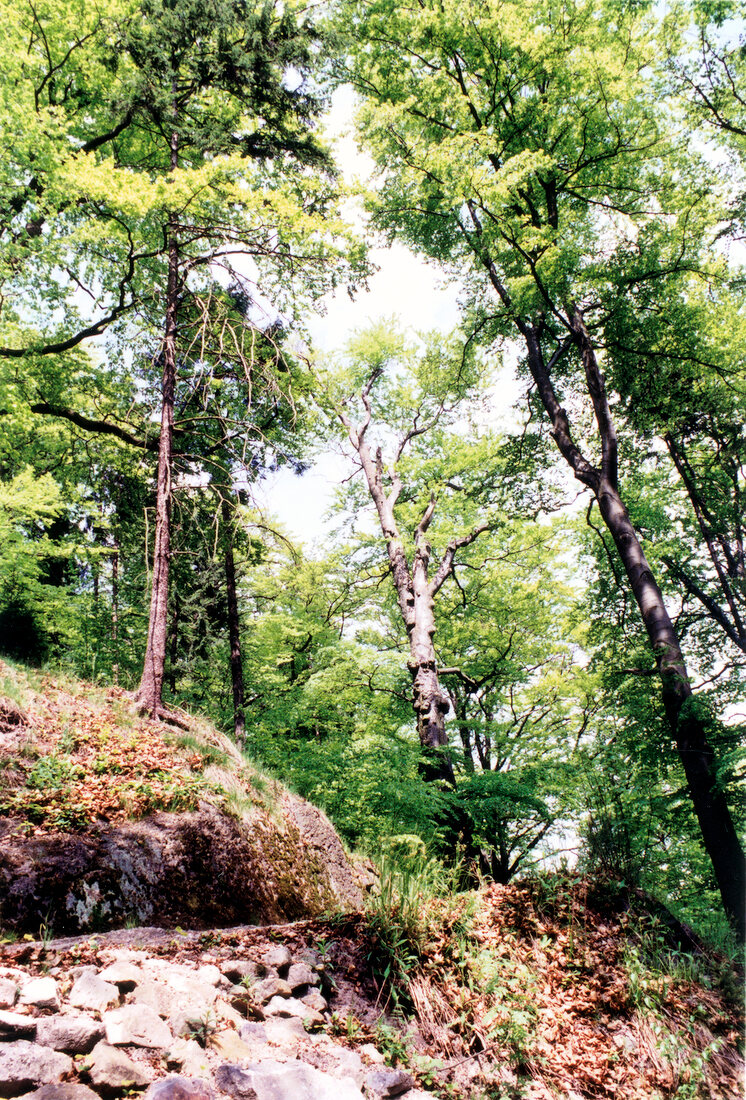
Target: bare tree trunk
(234,632)
(115,614)
(696,754)
(150,692)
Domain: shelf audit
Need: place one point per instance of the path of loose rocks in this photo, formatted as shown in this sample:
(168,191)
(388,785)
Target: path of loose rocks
(243,1024)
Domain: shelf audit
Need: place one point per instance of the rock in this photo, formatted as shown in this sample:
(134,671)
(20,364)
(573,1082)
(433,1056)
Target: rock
(251,1032)
(123,975)
(187,1056)
(136,1025)
(8,992)
(209,974)
(179,1088)
(301,974)
(315,1001)
(279,957)
(286,1030)
(349,1064)
(175,991)
(24,1065)
(64,1090)
(92,992)
(236,1082)
(226,1014)
(40,993)
(111,1068)
(291,1006)
(388,1082)
(14,1026)
(264,991)
(226,1044)
(293,1081)
(238,969)
(74,1034)
(372,1053)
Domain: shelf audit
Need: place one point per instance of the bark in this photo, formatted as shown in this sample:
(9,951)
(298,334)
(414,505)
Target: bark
(234,632)
(696,754)
(150,692)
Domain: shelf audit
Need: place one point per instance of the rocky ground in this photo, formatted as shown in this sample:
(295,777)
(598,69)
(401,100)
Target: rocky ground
(186,1017)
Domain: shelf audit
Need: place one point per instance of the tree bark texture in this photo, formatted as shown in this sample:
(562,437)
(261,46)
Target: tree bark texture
(234,632)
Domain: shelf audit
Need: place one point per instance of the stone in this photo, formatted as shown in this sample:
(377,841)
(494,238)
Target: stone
(278,956)
(14,1026)
(74,1034)
(251,1032)
(226,1014)
(238,969)
(179,1088)
(349,1064)
(388,1082)
(293,1081)
(236,1082)
(227,1045)
(176,993)
(93,993)
(63,1090)
(136,1025)
(372,1053)
(299,974)
(123,975)
(40,993)
(210,974)
(8,992)
(25,1065)
(264,991)
(315,1001)
(109,1067)
(284,1030)
(291,1006)
(188,1056)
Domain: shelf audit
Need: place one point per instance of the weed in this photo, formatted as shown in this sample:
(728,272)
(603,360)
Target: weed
(201,1028)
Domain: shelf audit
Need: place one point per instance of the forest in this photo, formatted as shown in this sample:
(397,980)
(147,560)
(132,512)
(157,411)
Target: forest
(517,631)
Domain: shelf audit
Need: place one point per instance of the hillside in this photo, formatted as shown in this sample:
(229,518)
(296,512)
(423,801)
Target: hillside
(108,818)
(555,988)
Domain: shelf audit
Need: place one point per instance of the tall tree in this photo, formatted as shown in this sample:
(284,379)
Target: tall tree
(522,148)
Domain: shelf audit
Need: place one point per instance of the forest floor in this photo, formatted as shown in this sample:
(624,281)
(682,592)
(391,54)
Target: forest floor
(558,987)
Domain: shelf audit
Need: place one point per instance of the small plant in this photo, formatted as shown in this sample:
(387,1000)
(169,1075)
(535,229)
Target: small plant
(201,1028)
(392,1044)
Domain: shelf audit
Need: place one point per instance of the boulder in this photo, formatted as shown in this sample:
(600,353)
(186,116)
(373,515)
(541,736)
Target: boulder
(136,1025)
(291,1006)
(15,1026)
(388,1082)
(111,1068)
(25,1065)
(264,991)
(299,974)
(64,1090)
(8,992)
(73,1034)
(278,957)
(93,993)
(187,1056)
(285,1081)
(179,1088)
(123,975)
(41,994)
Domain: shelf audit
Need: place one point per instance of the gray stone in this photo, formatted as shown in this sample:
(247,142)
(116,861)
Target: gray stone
(349,1064)
(253,1033)
(73,1034)
(40,993)
(136,1025)
(236,1082)
(14,1026)
(277,956)
(301,974)
(388,1082)
(264,991)
(209,973)
(285,1031)
(293,1081)
(291,1006)
(123,975)
(315,1001)
(110,1067)
(63,1090)
(238,969)
(25,1065)
(91,992)
(187,1056)
(8,992)
(175,993)
(179,1088)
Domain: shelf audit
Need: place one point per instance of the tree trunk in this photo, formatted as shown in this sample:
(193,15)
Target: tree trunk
(150,692)
(718,832)
(711,808)
(234,633)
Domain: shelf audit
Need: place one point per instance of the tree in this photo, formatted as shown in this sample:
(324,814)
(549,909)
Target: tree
(416,406)
(521,147)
